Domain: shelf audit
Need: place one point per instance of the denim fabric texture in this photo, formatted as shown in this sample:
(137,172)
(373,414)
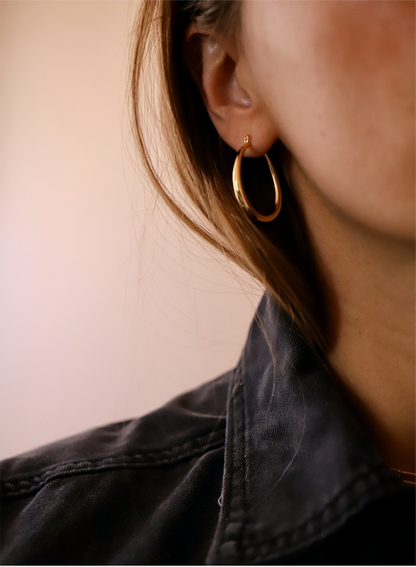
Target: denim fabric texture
(264,465)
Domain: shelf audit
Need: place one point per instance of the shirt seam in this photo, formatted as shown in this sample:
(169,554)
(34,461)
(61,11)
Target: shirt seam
(236,391)
(29,483)
(245,443)
(331,504)
(308,540)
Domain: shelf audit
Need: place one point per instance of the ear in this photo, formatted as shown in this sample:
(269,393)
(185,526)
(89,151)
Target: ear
(226,90)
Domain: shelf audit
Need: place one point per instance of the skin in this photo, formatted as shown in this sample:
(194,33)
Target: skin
(335,83)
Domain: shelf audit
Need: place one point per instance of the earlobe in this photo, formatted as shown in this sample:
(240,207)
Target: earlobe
(229,106)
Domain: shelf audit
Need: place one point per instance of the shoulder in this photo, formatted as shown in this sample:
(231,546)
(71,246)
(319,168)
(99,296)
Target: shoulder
(117,478)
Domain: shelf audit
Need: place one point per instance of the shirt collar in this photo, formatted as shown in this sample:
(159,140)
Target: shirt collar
(297,464)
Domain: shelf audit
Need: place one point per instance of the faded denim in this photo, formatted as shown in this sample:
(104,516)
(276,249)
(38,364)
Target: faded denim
(264,465)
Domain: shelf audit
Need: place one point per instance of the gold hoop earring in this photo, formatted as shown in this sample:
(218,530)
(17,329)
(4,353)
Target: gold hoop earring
(239,189)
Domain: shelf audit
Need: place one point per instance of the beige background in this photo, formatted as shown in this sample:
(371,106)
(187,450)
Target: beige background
(107,310)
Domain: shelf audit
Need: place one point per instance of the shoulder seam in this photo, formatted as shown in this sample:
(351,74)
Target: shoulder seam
(138,460)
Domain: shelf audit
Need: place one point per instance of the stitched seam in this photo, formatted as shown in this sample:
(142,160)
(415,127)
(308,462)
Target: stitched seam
(123,461)
(310,538)
(330,504)
(97,468)
(138,455)
(231,424)
(243,403)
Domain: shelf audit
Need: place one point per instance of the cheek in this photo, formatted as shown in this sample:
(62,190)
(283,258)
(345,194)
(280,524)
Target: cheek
(338,79)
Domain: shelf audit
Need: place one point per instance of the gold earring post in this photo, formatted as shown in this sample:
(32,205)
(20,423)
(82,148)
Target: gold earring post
(239,189)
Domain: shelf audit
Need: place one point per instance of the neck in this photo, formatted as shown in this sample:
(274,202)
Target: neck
(369,282)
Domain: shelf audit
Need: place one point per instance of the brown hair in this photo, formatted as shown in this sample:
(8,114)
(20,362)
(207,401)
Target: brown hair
(277,253)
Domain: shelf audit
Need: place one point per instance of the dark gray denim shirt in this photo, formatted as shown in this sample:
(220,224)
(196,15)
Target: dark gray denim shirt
(265,465)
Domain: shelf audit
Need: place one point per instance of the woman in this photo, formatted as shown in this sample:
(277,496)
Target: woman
(296,456)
